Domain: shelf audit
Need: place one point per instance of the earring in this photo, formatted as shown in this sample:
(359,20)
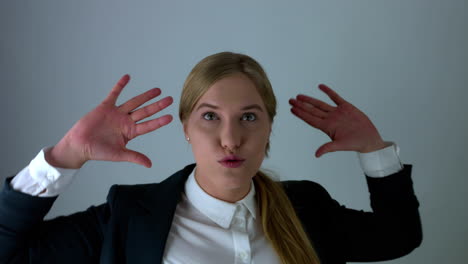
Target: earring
(188,139)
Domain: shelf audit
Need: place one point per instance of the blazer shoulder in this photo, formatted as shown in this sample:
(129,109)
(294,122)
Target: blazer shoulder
(151,196)
(129,192)
(172,183)
(305,192)
(303,187)
(301,184)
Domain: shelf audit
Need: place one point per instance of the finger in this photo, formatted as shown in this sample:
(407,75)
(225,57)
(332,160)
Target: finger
(139,100)
(135,157)
(117,89)
(308,108)
(332,94)
(317,103)
(306,117)
(151,109)
(151,125)
(326,148)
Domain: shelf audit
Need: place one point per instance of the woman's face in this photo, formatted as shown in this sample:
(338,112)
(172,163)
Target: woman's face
(229,129)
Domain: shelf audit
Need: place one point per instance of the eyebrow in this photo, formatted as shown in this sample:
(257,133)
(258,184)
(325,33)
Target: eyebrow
(248,107)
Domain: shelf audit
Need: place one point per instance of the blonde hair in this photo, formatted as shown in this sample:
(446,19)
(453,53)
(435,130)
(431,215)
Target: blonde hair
(280,222)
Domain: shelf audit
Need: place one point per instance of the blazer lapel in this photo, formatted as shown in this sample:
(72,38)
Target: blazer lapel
(149,226)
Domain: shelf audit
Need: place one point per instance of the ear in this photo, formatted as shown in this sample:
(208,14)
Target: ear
(184,124)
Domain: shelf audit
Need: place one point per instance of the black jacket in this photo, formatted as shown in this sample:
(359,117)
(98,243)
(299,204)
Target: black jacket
(133,225)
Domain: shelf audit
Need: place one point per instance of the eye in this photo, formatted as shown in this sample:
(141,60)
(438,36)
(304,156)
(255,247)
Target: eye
(249,117)
(209,116)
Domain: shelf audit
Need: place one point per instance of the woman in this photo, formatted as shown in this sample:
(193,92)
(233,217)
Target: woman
(222,209)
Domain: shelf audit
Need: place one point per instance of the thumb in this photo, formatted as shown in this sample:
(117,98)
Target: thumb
(135,157)
(325,148)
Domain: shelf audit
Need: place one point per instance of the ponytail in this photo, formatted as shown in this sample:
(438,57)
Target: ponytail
(280,223)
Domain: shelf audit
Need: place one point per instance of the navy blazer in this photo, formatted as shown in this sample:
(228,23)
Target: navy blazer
(133,225)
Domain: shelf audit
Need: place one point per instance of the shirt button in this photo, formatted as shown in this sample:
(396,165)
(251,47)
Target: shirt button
(50,176)
(238,221)
(243,256)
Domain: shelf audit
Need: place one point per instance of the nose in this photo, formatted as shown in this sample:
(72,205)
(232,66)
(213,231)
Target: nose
(231,136)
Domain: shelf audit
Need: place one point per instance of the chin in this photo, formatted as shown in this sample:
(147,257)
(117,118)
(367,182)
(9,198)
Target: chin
(237,177)
(236,185)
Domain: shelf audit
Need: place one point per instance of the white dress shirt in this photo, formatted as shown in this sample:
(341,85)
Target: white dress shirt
(207,230)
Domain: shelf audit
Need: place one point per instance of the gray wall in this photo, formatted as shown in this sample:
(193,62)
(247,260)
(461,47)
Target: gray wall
(404,63)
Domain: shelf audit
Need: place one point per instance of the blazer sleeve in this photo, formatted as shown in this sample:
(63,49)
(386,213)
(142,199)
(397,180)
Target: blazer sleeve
(26,238)
(339,234)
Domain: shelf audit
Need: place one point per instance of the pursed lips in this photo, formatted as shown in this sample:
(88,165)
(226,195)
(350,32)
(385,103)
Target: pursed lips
(232,158)
(232,161)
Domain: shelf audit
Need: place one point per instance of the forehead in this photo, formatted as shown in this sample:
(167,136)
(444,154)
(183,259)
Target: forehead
(233,90)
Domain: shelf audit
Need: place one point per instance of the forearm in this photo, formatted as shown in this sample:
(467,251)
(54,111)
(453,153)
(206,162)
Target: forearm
(393,229)
(20,213)
(40,178)
(382,162)
(26,236)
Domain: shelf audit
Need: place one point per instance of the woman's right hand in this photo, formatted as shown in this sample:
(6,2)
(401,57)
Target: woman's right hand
(103,133)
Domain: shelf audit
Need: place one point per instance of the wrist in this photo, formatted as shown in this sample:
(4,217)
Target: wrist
(376,146)
(62,156)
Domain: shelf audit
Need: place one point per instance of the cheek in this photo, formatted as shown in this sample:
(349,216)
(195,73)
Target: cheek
(203,138)
(258,140)
(204,126)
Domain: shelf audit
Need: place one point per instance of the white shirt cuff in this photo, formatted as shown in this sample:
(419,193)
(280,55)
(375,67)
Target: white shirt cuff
(382,162)
(39,178)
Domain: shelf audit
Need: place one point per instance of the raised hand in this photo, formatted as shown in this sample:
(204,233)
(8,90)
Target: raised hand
(103,133)
(348,127)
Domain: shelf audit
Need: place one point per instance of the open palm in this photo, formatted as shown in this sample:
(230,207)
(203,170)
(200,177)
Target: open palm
(348,127)
(103,133)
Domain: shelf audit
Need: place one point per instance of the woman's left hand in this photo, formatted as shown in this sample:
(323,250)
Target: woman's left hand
(348,127)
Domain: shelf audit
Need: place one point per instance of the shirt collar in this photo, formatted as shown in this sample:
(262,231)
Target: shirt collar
(219,211)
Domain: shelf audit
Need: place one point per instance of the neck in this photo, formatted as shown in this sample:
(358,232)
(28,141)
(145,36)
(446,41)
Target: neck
(218,189)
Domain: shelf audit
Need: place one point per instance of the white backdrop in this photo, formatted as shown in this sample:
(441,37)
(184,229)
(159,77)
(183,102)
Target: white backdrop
(404,63)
